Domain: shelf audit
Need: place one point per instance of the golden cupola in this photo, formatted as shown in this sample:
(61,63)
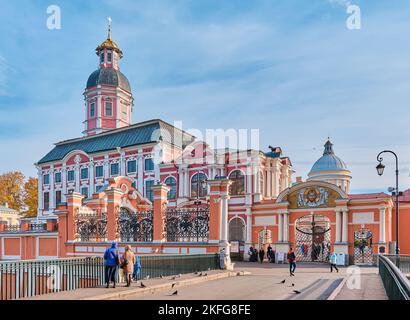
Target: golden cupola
(108,44)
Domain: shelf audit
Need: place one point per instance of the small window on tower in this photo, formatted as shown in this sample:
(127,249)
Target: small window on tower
(108,108)
(92,109)
(102,57)
(109,57)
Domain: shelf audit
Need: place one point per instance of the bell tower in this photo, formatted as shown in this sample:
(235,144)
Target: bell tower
(108,97)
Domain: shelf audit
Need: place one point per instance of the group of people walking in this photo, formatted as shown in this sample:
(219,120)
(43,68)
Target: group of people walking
(128,262)
(254,254)
(131,267)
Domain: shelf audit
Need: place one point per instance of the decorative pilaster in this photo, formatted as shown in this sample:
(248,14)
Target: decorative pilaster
(113,209)
(91,176)
(285,226)
(52,194)
(77,161)
(345,226)
(382,225)
(140,172)
(106,168)
(338,238)
(280,227)
(64,183)
(73,205)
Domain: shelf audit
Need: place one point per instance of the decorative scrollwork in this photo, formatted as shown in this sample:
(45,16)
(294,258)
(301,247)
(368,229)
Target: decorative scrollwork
(135,226)
(91,227)
(187,225)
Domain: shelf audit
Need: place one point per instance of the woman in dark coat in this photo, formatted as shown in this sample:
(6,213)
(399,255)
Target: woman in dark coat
(261,255)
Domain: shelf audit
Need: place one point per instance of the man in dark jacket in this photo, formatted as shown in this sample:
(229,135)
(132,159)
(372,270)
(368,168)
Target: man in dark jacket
(111,262)
(261,255)
(292,261)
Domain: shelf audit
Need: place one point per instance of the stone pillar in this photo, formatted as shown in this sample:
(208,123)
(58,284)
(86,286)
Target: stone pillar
(268,182)
(113,209)
(51,225)
(160,206)
(338,234)
(64,183)
(186,183)
(345,226)
(73,205)
(248,242)
(248,191)
(382,225)
(286,227)
(257,179)
(280,228)
(214,211)
(224,245)
(3,225)
(52,193)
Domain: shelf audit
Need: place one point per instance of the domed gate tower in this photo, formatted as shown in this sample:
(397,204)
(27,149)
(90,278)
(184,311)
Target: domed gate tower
(108,97)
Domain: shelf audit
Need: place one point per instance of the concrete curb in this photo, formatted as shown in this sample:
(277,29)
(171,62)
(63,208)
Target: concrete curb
(336,292)
(166,286)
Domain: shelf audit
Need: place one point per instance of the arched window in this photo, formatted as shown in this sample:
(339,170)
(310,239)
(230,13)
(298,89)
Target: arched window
(172,183)
(236,230)
(238,183)
(199,187)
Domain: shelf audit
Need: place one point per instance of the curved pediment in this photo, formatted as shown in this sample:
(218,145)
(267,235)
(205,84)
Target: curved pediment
(312,194)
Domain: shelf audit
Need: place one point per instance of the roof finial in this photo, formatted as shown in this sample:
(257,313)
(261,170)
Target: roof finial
(328,147)
(109,28)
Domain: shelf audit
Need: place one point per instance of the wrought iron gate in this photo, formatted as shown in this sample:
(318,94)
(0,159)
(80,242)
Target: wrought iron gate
(187,224)
(135,226)
(312,238)
(363,247)
(91,226)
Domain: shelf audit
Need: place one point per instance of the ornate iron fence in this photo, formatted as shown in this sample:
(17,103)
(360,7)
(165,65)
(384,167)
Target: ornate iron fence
(187,225)
(37,227)
(135,226)
(91,227)
(12,228)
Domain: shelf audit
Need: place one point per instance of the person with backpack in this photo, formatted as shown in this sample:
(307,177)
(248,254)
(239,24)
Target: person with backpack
(333,262)
(292,261)
(128,261)
(111,262)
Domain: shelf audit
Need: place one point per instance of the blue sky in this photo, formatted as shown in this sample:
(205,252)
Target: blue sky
(288,67)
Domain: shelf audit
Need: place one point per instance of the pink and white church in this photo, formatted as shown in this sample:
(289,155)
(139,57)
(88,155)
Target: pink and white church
(263,205)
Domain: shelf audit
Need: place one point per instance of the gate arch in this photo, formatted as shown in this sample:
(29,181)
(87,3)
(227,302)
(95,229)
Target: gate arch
(312,234)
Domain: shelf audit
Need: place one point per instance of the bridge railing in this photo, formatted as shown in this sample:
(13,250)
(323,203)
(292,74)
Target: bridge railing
(391,270)
(27,278)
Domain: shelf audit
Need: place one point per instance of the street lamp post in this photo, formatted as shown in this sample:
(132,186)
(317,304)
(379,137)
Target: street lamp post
(380,169)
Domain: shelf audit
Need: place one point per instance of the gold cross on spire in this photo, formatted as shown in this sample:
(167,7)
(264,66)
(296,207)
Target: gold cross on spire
(109,27)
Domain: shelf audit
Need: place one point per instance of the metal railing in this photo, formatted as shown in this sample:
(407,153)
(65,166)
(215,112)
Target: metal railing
(22,279)
(401,261)
(167,265)
(395,283)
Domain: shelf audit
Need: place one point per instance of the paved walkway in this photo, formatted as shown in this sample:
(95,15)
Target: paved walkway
(255,281)
(262,282)
(371,288)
